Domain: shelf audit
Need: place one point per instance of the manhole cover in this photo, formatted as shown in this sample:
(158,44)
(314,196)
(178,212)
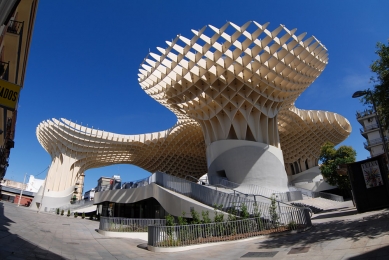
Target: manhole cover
(298,250)
(260,254)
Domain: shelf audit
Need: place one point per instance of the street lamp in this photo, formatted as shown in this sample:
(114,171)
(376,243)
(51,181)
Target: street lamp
(358,94)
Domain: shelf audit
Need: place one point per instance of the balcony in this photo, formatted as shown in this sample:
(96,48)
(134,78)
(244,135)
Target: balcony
(368,128)
(15,27)
(367,112)
(377,141)
(4,71)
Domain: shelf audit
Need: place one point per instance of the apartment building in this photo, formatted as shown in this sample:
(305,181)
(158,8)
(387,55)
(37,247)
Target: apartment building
(16,25)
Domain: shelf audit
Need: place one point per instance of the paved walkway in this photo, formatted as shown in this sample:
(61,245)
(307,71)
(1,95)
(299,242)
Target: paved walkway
(337,234)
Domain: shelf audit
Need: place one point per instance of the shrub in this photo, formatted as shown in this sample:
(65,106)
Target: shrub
(218,217)
(75,214)
(169,222)
(83,215)
(257,216)
(232,213)
(273,212)
(182,220)
(206,218)
(292,225)
(68,213)
(195,217)
(57,211)
(62,212)
(244,213)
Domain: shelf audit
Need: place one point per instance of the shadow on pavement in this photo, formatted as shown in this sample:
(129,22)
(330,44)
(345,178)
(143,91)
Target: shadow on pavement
(337,214)
(380,253)
(371,226)
(15,247)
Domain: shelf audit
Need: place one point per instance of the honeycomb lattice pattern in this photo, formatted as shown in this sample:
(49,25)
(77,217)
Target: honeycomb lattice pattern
(179,151)
(303,132)
(237,83)
(234,80)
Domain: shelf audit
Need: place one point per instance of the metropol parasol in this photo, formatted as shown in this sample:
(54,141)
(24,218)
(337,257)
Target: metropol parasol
(233,91)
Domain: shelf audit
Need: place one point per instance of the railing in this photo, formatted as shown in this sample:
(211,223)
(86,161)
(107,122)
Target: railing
(14,27)
(74,205)
(226,202)
(176,236)
(368,128)
(248,188)
(128,224)
(317,194)
(4,70)
(374,142)
(138,183)
(367,112)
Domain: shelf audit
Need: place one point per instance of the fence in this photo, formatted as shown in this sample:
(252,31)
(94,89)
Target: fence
(248,188)
(225,202)
(316,194)
(174,236)
(128,224)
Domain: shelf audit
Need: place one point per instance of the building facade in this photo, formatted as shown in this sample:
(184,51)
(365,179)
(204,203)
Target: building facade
(16,25)
(233,90)
(371,132)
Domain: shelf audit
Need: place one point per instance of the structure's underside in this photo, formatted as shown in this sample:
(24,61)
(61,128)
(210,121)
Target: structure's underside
(234,83)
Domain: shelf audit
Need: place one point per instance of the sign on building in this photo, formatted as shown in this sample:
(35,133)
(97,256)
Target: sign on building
(372,174)
(9,94)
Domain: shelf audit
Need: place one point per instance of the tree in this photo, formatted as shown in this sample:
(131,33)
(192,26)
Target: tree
(331,158)
(381,88)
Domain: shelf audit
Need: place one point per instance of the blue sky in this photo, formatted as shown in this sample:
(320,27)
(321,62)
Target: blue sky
(85,55)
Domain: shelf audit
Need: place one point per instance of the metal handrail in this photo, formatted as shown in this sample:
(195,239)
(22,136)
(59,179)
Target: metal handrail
(249,188)
(4,70)
(367,112)
(368,128)
(191,177)
(212,198)
(374,141)
(258,195)
(177,236)
(318,194)
(128,224)
(14,27)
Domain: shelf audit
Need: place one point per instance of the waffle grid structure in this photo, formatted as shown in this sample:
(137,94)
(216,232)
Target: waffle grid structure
(236,82)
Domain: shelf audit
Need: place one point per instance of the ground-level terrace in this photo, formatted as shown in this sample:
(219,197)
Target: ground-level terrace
(338,234)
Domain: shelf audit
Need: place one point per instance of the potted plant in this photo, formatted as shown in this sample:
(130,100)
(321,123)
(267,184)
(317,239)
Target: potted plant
(83,215)
(75,214)
(57,211)
(62,212)
(68,213)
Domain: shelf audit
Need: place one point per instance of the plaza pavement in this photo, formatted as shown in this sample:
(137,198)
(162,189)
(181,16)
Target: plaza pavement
(336,234)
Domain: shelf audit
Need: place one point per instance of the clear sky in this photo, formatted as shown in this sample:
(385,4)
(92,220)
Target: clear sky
(85,55)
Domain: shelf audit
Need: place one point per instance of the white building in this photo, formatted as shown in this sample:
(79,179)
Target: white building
(34,184)
(89,195)
(371,131)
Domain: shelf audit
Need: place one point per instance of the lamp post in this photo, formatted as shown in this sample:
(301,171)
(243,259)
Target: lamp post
(368,92)
(21,190)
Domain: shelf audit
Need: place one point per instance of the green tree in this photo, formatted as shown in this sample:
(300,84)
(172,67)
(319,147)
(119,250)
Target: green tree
(331,158)
(381,88)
